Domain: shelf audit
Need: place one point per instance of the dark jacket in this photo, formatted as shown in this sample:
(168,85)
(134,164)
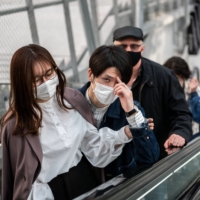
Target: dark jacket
(160,94)
(194,103)
(143,149)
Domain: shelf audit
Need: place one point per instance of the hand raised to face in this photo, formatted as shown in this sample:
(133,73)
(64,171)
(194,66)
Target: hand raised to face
(125,95)
(194,83)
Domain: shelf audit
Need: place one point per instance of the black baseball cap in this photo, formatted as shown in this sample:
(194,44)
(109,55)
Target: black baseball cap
(128,31)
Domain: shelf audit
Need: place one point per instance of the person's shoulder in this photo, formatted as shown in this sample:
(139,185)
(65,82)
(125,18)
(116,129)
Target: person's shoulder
(157,68)
(8,128)
(72,93)
(74,97)
(84,88)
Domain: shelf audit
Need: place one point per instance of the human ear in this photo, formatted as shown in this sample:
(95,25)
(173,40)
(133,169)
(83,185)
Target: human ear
(90,75)
(143,48)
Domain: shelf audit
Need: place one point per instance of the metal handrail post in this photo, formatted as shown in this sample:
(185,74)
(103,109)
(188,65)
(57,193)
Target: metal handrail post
(187,14)
(115,9)
(139,13)
(83,5)
(157,7)
(32,21)
(70,39)
(95,22)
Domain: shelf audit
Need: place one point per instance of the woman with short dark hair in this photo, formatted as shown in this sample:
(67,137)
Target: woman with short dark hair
(47,128)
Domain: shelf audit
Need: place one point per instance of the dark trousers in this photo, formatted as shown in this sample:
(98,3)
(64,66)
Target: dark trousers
(77,181)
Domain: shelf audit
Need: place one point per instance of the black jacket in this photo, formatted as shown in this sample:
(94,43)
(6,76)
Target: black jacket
(160,94)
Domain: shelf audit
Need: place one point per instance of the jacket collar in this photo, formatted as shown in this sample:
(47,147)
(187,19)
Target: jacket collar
(34,142)
(76,99)
(113,110)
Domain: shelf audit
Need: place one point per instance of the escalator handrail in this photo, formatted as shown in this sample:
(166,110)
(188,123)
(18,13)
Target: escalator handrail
(166,166)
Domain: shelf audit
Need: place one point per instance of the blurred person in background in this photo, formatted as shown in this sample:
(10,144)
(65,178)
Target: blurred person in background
(180,68)
(194,99)
(190,86)
(48,128)
(158,91)
(108,66)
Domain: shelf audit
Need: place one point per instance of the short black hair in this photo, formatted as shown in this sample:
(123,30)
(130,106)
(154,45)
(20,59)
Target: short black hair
(179,66)
(105,57)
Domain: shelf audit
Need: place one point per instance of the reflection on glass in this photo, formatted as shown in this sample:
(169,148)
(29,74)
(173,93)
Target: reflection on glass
(175,183)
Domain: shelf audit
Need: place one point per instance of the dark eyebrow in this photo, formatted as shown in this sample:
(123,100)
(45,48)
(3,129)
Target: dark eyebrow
(107,76)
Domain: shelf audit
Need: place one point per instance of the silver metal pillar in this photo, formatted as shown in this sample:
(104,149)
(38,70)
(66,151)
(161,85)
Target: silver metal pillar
(187,14)
(32,21)
(70,40)
(87,25)
(171,5)
(95,22)
(139,13)
(115,10)
(133,12)
(157,7)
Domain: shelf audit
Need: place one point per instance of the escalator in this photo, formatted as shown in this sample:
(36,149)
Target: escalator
(175,177)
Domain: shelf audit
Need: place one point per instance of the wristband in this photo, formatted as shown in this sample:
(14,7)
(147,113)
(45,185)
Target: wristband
(128,114)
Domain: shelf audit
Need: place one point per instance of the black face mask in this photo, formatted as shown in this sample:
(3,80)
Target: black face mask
(135,57)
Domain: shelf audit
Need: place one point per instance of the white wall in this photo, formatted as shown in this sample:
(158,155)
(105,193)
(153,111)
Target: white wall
(159,45)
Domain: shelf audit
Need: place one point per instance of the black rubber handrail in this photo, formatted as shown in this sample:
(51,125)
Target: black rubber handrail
(167,165)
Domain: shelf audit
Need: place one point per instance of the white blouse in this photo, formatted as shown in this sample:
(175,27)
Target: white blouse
(63,136)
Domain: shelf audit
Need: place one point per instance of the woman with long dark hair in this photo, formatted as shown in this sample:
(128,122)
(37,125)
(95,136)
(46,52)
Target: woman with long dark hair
(47,128)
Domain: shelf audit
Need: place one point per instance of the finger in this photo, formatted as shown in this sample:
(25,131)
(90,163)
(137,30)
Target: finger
(119,92)
(119,80)
(172,140)
(150,120)
(118,88)
(151,124)
(177,141)
(166,145)
(151,127)
(124,90)
(120,85)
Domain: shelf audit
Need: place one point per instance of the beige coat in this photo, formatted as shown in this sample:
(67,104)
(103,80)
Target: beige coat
(22,155)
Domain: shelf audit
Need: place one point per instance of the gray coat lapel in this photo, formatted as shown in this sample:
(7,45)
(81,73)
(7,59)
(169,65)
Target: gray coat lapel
(78,101)
(34,142)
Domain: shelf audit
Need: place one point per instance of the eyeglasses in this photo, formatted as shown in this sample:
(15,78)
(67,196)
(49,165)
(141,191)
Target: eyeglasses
(133,47)
(50,74)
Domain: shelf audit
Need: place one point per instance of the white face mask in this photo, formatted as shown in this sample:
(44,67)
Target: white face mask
(47,89)
(104,94)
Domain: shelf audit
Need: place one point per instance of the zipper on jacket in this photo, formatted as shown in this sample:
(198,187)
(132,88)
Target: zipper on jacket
(140,93)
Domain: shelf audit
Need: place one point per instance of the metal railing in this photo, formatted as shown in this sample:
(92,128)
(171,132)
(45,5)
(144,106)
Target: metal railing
(140,11)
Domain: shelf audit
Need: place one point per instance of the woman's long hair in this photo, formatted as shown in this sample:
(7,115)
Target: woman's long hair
(23,105)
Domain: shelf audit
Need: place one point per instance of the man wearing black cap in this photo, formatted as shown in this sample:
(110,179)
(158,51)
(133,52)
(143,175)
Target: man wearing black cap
(158,91)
